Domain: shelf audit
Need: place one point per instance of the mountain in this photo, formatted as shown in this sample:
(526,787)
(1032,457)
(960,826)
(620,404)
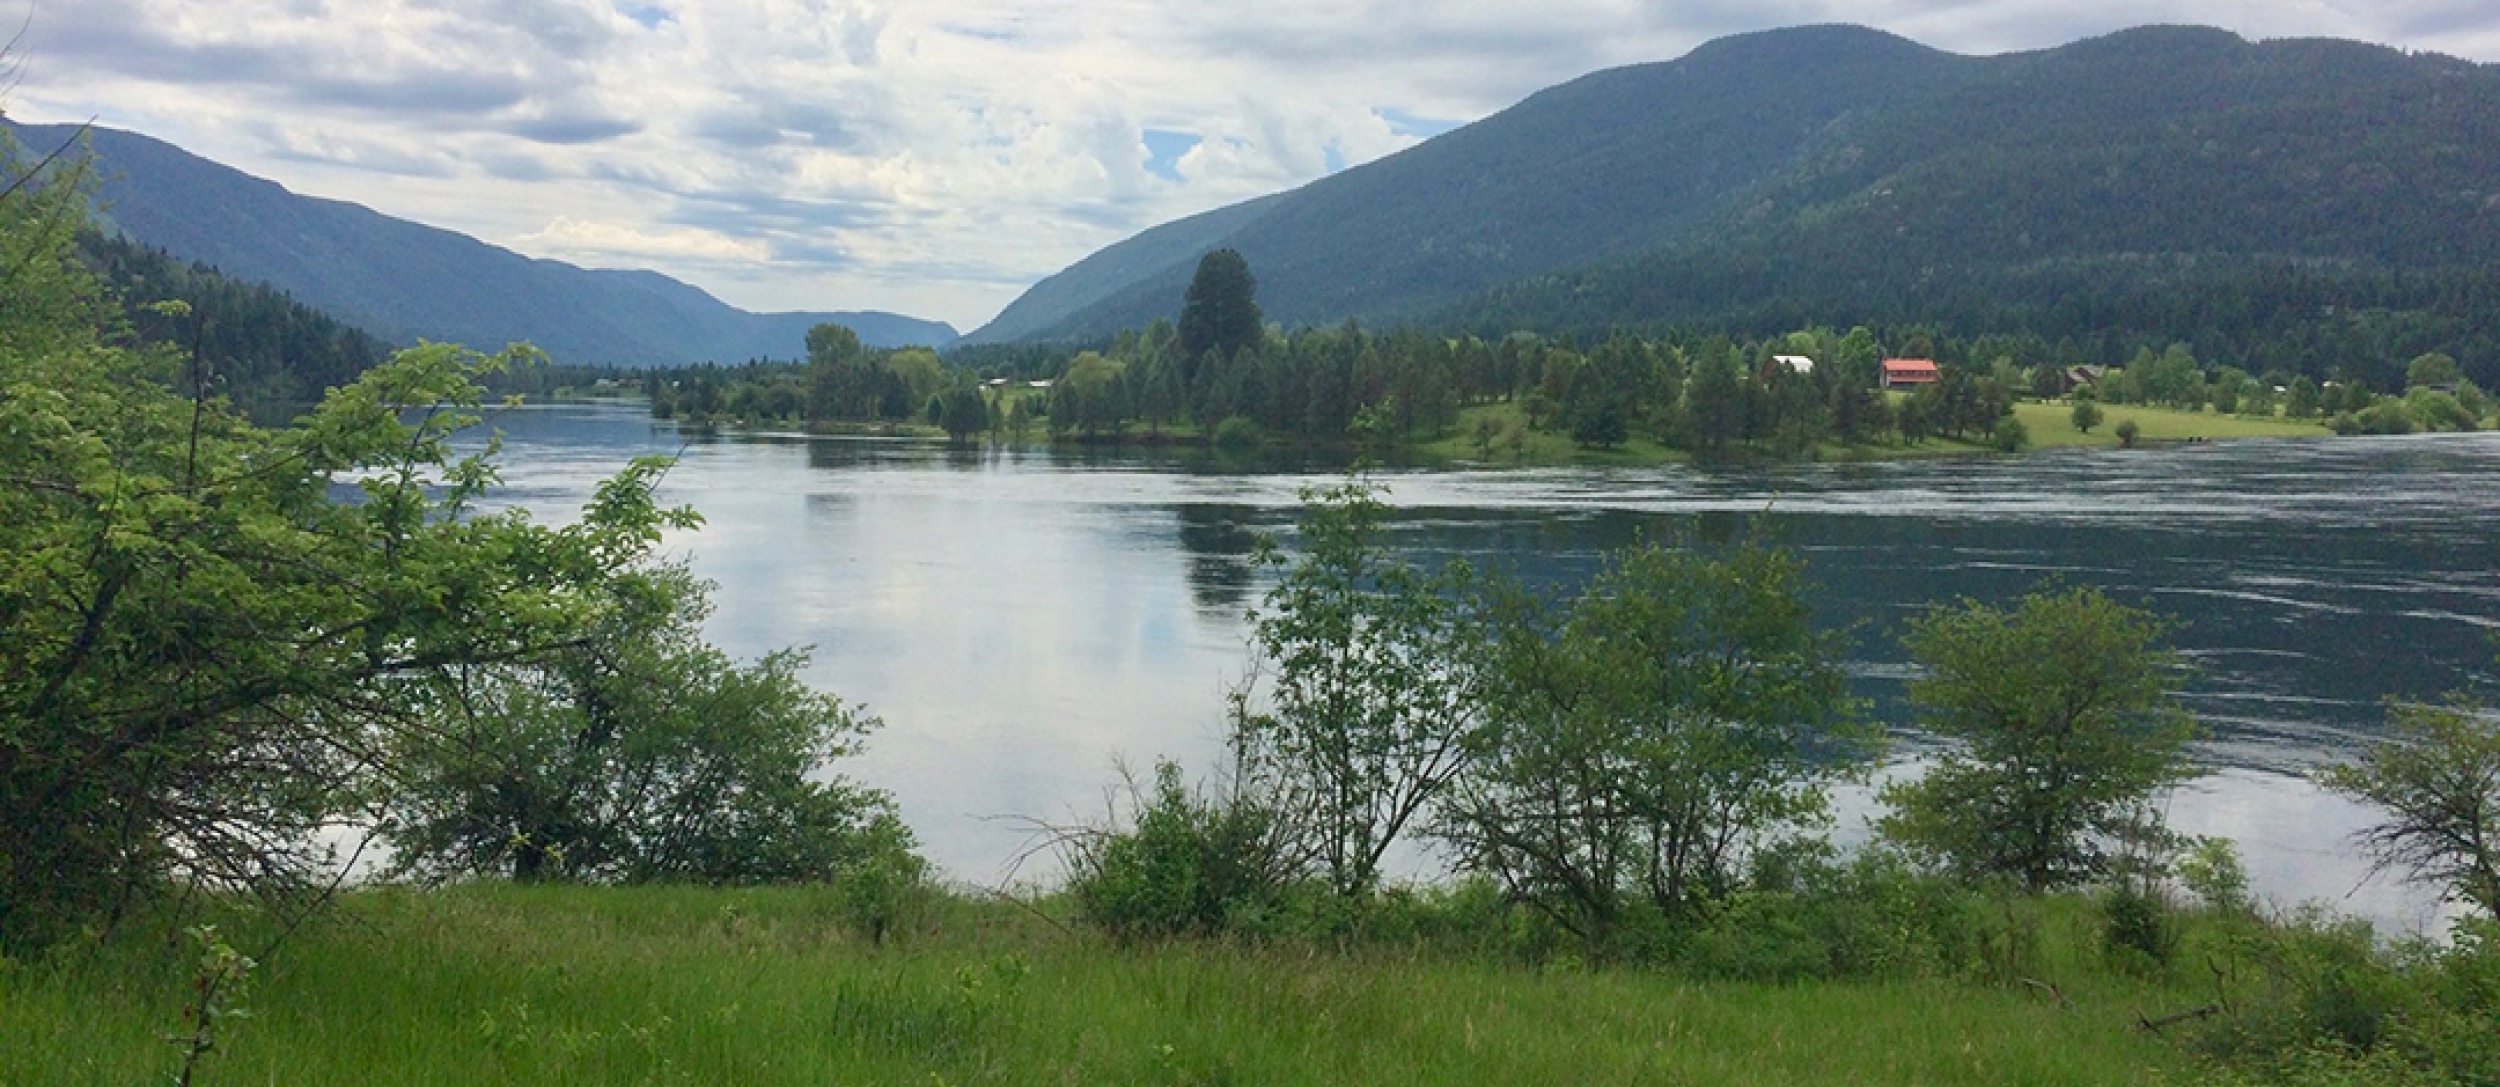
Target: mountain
(1837,167)
(403,280)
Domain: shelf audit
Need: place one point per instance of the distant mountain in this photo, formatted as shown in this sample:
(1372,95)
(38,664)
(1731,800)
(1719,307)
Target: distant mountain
(1836,167)
(402,280)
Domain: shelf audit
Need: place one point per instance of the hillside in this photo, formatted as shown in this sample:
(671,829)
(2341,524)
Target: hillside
(1827,168)
(403,280)
(254,343)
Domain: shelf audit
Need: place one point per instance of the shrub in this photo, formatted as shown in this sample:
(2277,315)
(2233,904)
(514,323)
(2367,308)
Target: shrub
(2211,870)
(2126,432)
(2010,435)
(1185,864)
(2138,935)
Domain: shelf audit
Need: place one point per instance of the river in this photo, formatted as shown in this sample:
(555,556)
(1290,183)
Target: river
(1023,621)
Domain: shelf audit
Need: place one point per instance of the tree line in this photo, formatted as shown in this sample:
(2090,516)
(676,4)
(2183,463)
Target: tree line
(1639,762)
(1220,375)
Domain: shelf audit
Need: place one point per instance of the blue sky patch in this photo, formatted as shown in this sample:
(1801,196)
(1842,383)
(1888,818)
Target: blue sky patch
(649,15)
(1164,148)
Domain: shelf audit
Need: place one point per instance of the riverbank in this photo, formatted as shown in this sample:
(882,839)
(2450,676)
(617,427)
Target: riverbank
(1498,435)
(552,986)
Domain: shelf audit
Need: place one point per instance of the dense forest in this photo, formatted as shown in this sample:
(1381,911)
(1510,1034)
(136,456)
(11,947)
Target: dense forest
(1218,375)
(254,343)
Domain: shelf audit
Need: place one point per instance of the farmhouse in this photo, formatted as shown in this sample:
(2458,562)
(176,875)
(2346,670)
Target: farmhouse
(1906,373)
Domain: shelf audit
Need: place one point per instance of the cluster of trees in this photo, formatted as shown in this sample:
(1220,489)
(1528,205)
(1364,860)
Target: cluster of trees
(2436,394)
(1621,762)
(1219,374)
(210,663)
(840,383)
(1629,763)
(2327,321)
(262,345)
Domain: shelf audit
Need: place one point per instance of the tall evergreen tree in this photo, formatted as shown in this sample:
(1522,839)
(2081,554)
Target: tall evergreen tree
(1221,310)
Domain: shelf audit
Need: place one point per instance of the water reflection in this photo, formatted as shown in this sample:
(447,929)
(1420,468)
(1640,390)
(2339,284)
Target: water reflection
(1219,541)
(1019,619)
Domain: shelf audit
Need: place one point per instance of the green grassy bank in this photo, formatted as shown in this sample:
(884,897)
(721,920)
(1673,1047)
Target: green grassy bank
(671,985)
(2050,425)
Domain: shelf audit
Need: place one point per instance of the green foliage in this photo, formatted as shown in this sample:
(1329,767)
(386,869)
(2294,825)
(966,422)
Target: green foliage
(2210,869)
(2437,780)
(2063,713)
(2432,369)
(1185,864)
(1370,673)
(206,661)
(1220,311)
(1806,915)
(2138,933)
(637,754)
(963,411)
(2326,1003)
(254,343)
(2127,432)
(1644,742)
(1236,432)
(2009,435)
(2087,414)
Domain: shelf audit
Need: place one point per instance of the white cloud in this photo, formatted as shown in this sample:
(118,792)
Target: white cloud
(931,156)
(597,242)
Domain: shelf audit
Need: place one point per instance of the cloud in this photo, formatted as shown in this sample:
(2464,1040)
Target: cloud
(931,156)
(603,244)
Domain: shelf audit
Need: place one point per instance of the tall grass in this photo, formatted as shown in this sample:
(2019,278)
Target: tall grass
(672,985)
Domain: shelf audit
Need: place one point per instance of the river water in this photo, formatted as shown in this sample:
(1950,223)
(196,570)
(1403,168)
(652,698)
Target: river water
(1024,621)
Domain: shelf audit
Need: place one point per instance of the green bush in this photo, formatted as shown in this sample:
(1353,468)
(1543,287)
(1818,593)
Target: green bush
(2333,1005)
(1807,914)
(2010,435)
(2138,934)
(1186,865)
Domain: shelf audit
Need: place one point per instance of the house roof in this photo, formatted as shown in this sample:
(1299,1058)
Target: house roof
(1795,363)
(1909,366)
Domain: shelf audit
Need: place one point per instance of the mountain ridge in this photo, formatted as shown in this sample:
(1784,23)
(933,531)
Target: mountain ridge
(404,280)
(1868,157)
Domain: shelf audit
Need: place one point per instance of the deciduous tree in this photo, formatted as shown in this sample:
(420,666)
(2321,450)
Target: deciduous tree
(2065,724)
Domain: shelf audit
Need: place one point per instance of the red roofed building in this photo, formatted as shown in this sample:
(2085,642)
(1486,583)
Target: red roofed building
(1904,373)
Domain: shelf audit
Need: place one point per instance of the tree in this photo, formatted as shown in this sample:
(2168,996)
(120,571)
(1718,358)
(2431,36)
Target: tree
(206,659)
(830,344)
(1371,675)
(963,411)
(2127,431)
(2087,413)
(1681,710)
(1220,311)
(2064,714)
(2438,780)
(2434,369)
(639,753)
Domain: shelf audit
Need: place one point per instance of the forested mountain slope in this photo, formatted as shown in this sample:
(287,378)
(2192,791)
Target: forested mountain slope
(1837,173)
(403,280)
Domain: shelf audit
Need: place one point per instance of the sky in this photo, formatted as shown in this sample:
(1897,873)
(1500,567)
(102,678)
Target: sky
(929,157)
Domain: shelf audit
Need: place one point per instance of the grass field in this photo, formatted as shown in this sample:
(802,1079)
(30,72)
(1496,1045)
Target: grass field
(2051,426)
(634,986)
